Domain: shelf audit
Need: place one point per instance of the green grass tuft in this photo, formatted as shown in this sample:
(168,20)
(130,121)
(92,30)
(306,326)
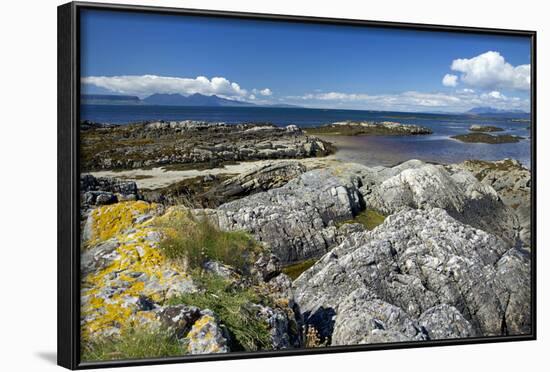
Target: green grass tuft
(233,307)
(198,241)
(133,344)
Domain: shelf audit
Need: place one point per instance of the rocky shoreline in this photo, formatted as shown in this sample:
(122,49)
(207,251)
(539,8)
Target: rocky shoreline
(413,252)
(484,128)
(481,137)
(367,128)
(191,144)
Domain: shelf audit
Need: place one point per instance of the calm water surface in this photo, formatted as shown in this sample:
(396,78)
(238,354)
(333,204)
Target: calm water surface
(383,150)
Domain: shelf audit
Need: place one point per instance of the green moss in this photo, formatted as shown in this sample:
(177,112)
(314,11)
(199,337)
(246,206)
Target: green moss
(368,218)
(133,344)
(233,306)
(197,241)
(295,270)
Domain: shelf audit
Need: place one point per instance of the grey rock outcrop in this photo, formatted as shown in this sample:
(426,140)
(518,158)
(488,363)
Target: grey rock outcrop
(419,185)
(260,179)
(364,319)
(96,191)
(267,267)
(366,128)
(295,221)
(484,128)
(279,326)
(415,261)
(179,318)
(207,336)
(193,142)
(512,182)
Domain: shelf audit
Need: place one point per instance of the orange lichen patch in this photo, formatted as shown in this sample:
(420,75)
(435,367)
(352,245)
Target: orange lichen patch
(110,220)
(110,295)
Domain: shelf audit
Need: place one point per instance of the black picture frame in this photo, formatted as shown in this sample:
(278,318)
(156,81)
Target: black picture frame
(68,247)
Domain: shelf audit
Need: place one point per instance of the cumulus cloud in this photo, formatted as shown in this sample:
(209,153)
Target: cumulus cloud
(491,71)
(458,101)
(494,94)
(262,92)
(144,85)
(450,80)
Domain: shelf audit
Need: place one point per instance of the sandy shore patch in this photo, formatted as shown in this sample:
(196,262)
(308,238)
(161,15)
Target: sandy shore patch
(160,177)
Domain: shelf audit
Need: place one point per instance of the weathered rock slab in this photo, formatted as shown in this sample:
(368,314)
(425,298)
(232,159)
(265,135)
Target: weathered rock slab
(417,260)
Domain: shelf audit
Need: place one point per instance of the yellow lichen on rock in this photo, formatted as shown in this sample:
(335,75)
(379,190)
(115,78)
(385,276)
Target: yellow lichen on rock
(109,220)
(206,337)
(135,271)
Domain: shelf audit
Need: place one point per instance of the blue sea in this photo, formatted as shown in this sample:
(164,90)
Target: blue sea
(384,150)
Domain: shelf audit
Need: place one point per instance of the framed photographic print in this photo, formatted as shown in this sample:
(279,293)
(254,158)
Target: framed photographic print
(236,185)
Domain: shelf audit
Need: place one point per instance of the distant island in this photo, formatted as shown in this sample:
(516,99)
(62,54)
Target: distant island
(170,99)
(491,111)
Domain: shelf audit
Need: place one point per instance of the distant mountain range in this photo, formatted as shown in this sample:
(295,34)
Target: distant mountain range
(162,99)
(494,111)
(197,99)
(165,99)
(109,99)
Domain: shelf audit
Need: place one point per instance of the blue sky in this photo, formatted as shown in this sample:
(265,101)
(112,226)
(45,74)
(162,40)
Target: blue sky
(305,64)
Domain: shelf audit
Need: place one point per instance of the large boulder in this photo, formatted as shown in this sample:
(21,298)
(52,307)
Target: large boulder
(420,185)
(417,260)
(295,221)
(124,274)
(107,221)
(193,142)
(106,190)
(207,336)
(512,182)
(262,178)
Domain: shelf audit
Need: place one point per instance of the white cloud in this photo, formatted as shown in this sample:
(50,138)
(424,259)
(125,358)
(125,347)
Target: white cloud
(266,92)
(450,80)
(491,71)
(252,97)
(457,101)
(494,94)
(263,92)
(331,96)
(144,85)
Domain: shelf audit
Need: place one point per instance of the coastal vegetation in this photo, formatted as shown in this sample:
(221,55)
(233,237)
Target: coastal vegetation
(234,308)
(133,343)
(197,240)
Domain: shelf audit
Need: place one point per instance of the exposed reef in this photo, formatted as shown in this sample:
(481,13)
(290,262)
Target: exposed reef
(367,128)
(191,144)
(487,138)
(484,128)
